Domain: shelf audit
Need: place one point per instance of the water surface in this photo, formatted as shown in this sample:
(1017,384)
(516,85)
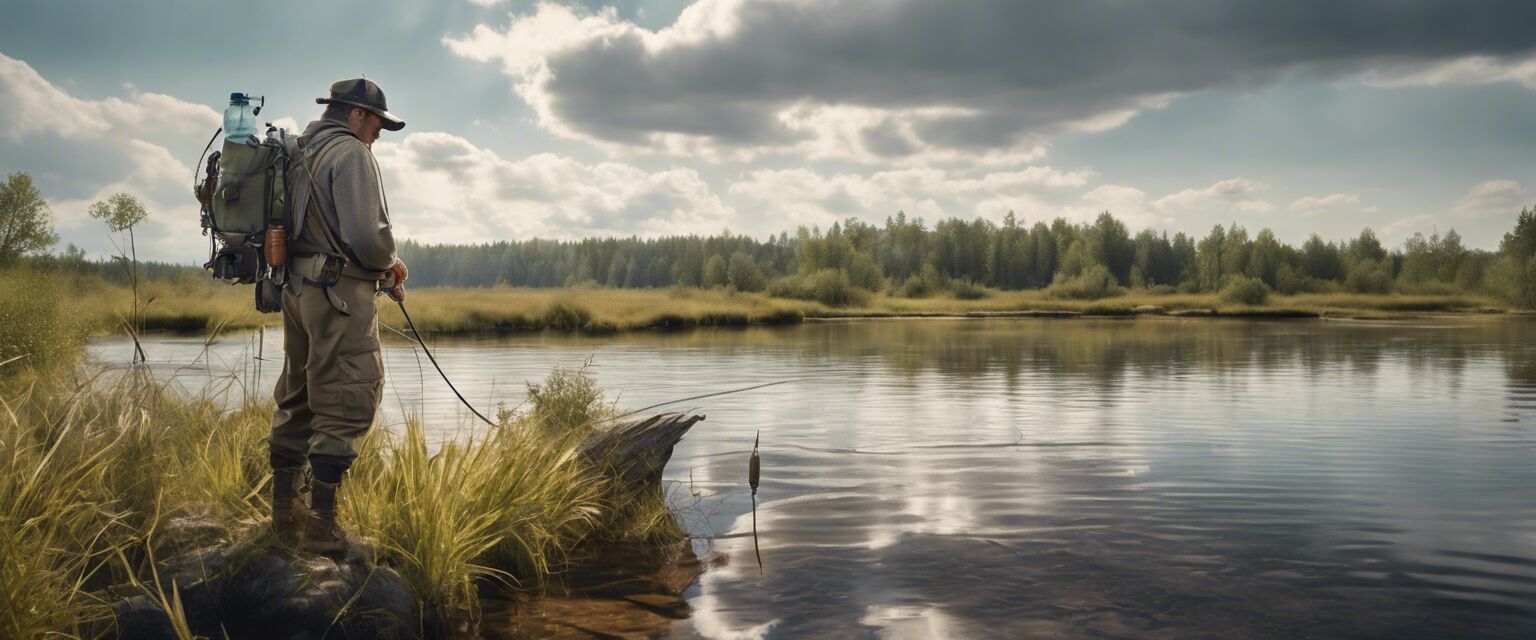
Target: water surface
(1156,478)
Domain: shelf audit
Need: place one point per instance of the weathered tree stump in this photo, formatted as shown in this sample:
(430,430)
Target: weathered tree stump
(636,453)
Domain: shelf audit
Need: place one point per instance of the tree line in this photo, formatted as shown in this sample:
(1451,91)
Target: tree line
(907,257)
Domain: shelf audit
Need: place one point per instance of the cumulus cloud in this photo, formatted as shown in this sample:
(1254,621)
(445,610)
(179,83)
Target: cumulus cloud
(982,81)
(1235,194)
(120,129)
(1315,204)
(791,197)
(445,189)
(786,198)
(1493,197)
(33,105)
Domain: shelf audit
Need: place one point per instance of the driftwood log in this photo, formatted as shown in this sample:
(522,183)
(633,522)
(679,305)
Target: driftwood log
(251,589)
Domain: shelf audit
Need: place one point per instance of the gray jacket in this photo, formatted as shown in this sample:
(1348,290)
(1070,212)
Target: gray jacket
(349,196)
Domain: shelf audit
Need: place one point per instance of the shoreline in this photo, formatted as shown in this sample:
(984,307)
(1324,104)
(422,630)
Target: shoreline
(678,324)
(207,310)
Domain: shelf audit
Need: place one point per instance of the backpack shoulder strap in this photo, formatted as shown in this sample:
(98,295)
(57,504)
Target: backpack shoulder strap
(317,223)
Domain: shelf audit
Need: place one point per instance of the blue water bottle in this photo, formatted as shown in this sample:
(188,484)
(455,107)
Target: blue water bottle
(240,119)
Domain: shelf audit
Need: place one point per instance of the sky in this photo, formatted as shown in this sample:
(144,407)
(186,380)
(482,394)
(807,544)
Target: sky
(658,117)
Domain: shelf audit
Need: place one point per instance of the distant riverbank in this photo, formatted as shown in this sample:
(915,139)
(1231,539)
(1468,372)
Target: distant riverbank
(596,310)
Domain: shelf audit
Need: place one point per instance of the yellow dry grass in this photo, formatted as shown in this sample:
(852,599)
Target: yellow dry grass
(204,306)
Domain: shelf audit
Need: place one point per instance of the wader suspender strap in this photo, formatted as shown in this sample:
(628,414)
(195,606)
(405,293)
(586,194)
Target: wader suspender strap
(323,229)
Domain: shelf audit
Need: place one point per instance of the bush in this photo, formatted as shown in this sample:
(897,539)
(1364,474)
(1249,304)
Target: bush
(921,285)
(1245,290)
(967,290)
(566,316)
(830,287)
(569,400)
(1092,284)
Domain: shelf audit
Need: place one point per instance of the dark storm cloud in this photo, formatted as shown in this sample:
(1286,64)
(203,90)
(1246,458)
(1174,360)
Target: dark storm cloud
(1016,69)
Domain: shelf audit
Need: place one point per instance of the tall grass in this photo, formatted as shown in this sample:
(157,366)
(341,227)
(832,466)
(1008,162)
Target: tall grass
(92,467)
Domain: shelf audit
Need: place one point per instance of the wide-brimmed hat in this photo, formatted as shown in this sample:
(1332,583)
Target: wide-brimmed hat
(362,92)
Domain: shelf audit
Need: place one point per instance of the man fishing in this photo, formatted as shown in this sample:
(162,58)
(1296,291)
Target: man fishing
(341,257)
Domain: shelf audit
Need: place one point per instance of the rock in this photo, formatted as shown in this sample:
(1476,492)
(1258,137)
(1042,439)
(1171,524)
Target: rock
(187,533)
(254,590)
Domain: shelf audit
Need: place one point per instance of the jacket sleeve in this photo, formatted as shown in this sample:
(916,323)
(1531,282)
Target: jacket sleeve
(361,208)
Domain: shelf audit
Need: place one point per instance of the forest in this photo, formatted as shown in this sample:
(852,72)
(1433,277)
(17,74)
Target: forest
(907,257)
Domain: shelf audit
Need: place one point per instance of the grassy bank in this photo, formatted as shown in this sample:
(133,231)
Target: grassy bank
(198,305)
(92,467)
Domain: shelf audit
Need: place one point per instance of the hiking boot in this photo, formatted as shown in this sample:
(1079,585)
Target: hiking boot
(321,533)
(289,512)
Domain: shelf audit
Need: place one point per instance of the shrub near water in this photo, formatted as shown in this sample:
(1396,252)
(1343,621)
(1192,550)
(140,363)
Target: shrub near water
(566,316)
(1094,283)
(1244,290)
(830,287)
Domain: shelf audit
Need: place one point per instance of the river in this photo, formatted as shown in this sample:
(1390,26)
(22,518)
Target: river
(1158,478)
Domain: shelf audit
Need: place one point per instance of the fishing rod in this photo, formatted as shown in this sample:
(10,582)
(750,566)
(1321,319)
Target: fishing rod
(433,359)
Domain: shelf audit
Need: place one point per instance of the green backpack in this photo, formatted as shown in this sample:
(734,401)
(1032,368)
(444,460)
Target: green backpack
(244,192)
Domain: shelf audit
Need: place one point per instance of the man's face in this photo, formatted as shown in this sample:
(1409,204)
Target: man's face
(365,124)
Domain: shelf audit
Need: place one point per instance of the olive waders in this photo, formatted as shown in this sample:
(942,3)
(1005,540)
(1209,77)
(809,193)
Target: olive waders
(332,381)
(333,375)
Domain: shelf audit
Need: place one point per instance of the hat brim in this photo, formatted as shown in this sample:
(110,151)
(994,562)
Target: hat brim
(388,119)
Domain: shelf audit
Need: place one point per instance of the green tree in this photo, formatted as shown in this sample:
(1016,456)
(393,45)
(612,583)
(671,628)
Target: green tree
(1515,274)
(1366,247)
(1109,244)
(1075,262)
(744,274)
(1321,260)
(1043,265)
(1235,251)
(25,221)
(1265,258)
(1210,258)
(1520,243)
(714,272)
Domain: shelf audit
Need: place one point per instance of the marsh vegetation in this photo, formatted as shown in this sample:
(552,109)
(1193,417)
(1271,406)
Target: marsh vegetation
(93,465)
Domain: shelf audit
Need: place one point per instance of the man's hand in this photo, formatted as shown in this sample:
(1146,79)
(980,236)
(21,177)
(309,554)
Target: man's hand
(394,281)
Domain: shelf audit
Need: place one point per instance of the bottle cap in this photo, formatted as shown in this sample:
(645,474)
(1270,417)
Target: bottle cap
(239,98)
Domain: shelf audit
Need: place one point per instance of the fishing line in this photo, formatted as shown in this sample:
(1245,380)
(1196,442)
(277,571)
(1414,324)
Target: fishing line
(433,359)
(707,395)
